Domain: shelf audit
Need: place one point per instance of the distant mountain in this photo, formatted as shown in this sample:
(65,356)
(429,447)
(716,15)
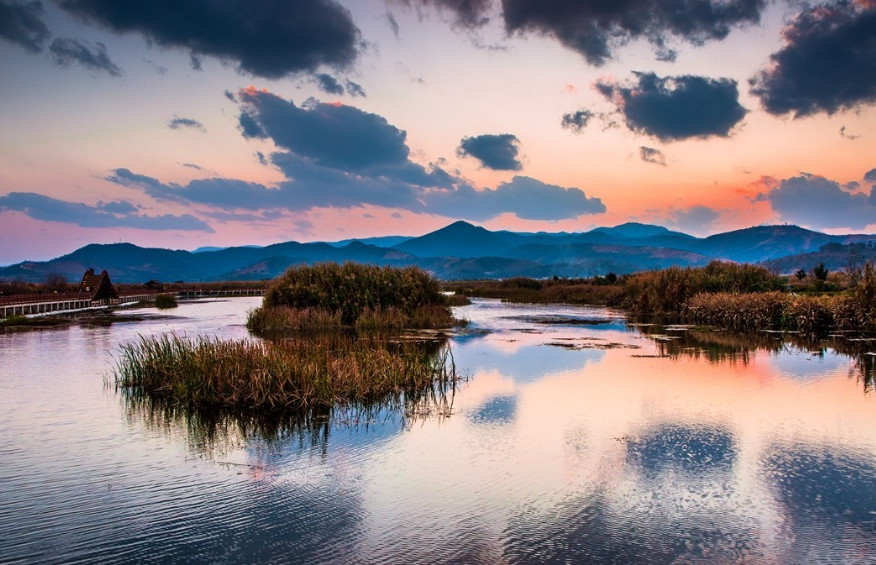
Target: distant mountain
(460,239)
(835,257)
(385,241)
(462,250)
(635,230)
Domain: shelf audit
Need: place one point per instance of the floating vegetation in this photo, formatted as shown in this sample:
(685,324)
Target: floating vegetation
(297,373)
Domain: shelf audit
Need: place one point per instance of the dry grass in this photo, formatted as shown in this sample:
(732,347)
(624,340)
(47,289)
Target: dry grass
(292,373)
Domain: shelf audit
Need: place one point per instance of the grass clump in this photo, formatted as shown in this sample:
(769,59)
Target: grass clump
(164,301)
(294,373)
(351,295)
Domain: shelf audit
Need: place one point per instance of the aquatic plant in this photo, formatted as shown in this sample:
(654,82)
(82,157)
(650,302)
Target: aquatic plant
(330,295)
(298,372)
(164,301)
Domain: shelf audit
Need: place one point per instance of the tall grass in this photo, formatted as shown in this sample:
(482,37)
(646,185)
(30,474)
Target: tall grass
(776,310)
(668,290)
(292,373)
(352,295)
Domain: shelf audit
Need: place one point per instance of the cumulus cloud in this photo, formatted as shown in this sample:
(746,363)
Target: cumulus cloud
(828,62)
(21,23)
(674,108)
(526,197)
(267,38)
(497,152)
(576,121)
(596,29)
(117,214)
(338,156)
(821,203)
(651,155)
(66,51)
(177,123)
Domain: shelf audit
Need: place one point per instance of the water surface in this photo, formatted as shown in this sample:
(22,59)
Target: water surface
(574,438)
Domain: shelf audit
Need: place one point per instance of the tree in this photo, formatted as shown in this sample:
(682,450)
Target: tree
(800,274)
(820,272)
(56,282)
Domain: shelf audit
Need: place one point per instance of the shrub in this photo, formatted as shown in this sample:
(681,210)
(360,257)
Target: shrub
(166,301)
(352,295)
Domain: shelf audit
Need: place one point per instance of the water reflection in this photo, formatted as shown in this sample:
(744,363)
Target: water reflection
(675,445)
(217,429)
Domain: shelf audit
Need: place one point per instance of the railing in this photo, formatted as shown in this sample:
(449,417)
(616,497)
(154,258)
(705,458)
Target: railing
(205,293)
(32,304)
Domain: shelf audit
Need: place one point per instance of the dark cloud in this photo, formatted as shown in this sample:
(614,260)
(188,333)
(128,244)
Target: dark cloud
(230,95)
(261,157)
(177,123)
(192,166)
(672,108)
(250,128)
(119,214)
(66,51)
(328,84)
(267,38)
(828,62)
(467,13)
(821,203)
(393,24)
(21,23)
(651,155)
(844,133)
(355,89)
(333,135)
(576,121)
(497,152)
(525,197)
(596,28)
(195,62)
(339,156)
(870,176)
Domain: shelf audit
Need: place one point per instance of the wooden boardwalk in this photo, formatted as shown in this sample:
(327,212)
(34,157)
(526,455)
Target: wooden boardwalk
(30,305)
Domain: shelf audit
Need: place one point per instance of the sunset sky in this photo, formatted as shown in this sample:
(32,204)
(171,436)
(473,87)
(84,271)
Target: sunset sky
(187,123)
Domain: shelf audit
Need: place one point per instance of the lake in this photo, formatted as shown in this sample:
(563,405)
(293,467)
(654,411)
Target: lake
(573,437)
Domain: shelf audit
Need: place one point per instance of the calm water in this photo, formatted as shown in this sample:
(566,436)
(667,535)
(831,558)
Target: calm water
(574,439)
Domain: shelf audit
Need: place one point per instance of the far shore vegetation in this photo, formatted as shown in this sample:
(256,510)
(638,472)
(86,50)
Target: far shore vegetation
(737,296)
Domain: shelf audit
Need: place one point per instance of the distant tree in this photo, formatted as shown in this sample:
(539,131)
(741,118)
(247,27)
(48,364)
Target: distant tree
(800,274)
(611,277)
(820,272)
(56,282)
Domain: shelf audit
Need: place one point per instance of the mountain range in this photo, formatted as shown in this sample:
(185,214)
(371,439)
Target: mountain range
(464,251)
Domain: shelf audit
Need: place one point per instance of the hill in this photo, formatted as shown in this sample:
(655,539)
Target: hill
(464,251)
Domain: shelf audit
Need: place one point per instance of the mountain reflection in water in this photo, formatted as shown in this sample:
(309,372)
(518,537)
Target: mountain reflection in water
(574,438)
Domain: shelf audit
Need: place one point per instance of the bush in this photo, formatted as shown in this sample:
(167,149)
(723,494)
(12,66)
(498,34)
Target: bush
(164,301)
(352,295)
(668,290)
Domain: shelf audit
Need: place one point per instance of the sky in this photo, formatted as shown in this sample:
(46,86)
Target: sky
(189,123)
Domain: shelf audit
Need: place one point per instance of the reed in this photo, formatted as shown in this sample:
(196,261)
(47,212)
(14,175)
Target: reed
(165,301)
(301,372)
(352,295)
(776,310)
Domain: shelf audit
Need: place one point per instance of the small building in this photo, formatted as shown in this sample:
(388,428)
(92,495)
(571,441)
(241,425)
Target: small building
(99,286)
